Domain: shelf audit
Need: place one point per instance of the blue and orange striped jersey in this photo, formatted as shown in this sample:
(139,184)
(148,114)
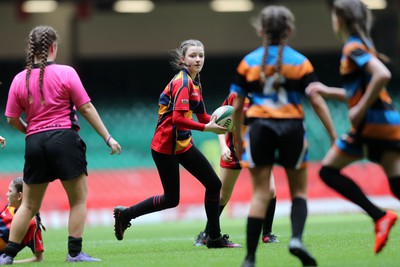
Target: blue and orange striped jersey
(33,237)
(182,94)
(382,120)
(267,102)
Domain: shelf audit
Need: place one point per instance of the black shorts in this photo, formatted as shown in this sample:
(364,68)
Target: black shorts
(281,141)
(372,149)
(50,155)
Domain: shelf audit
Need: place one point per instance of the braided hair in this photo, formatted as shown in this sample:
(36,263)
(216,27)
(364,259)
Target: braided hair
(357,19)
(40,39)
(274,23)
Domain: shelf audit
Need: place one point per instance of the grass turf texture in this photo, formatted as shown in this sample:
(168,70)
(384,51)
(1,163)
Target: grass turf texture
(335,240)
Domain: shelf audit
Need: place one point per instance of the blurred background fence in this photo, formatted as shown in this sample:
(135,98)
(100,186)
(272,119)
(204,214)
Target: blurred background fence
(133,126)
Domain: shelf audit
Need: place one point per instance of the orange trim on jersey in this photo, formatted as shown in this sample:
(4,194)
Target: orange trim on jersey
(384,96)
(347,66)
(182,145)
(350,47)
(162,109)
(383,132)
(188,114)
(284,112)
(355,98)
(294,72)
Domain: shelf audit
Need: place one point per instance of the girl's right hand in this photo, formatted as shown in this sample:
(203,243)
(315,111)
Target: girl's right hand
(214,127)
(115,147)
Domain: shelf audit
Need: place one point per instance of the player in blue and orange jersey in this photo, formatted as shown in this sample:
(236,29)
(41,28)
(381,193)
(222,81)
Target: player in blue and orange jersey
(230,168)
(375,131)
(33,237)
(172,145)
(276,76)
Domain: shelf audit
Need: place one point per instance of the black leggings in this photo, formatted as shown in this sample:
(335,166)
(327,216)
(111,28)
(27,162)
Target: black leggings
(168,168)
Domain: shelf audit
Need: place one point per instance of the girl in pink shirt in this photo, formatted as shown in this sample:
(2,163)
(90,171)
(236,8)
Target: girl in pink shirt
(49,94)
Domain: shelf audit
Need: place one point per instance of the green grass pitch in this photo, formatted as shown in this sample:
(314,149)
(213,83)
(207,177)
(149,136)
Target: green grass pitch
(335,240)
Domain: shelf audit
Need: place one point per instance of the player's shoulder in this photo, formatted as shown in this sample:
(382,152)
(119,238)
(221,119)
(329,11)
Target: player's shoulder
(20,76)
(293,57)
(354,43)
(253,58)
(62,67)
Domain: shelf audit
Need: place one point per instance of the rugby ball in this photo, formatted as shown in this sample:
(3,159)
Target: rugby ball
(224,117)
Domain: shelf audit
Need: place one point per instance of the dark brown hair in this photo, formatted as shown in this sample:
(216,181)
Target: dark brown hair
(274,23)
(357,18)
(40,39)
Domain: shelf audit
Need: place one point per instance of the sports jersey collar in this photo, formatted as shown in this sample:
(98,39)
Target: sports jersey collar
(47,64)
(187,72)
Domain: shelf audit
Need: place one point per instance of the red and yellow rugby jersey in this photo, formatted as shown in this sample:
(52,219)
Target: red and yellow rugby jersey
(267,102)
(181,94)
(382,120)
(33,237)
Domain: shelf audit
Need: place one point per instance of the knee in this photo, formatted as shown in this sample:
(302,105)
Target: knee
(214,187)
(171,202)
(328,174)
(31,210)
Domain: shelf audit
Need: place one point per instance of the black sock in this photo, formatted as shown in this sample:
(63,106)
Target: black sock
(211,204)
(298,216)
(394,183)
(221,208)
(12,249)
(349,189)
(253,232)
(269,216)
(74,246)
(145,207)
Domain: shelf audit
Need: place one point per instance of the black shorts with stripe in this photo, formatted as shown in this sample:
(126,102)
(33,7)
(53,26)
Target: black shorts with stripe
(54,154)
